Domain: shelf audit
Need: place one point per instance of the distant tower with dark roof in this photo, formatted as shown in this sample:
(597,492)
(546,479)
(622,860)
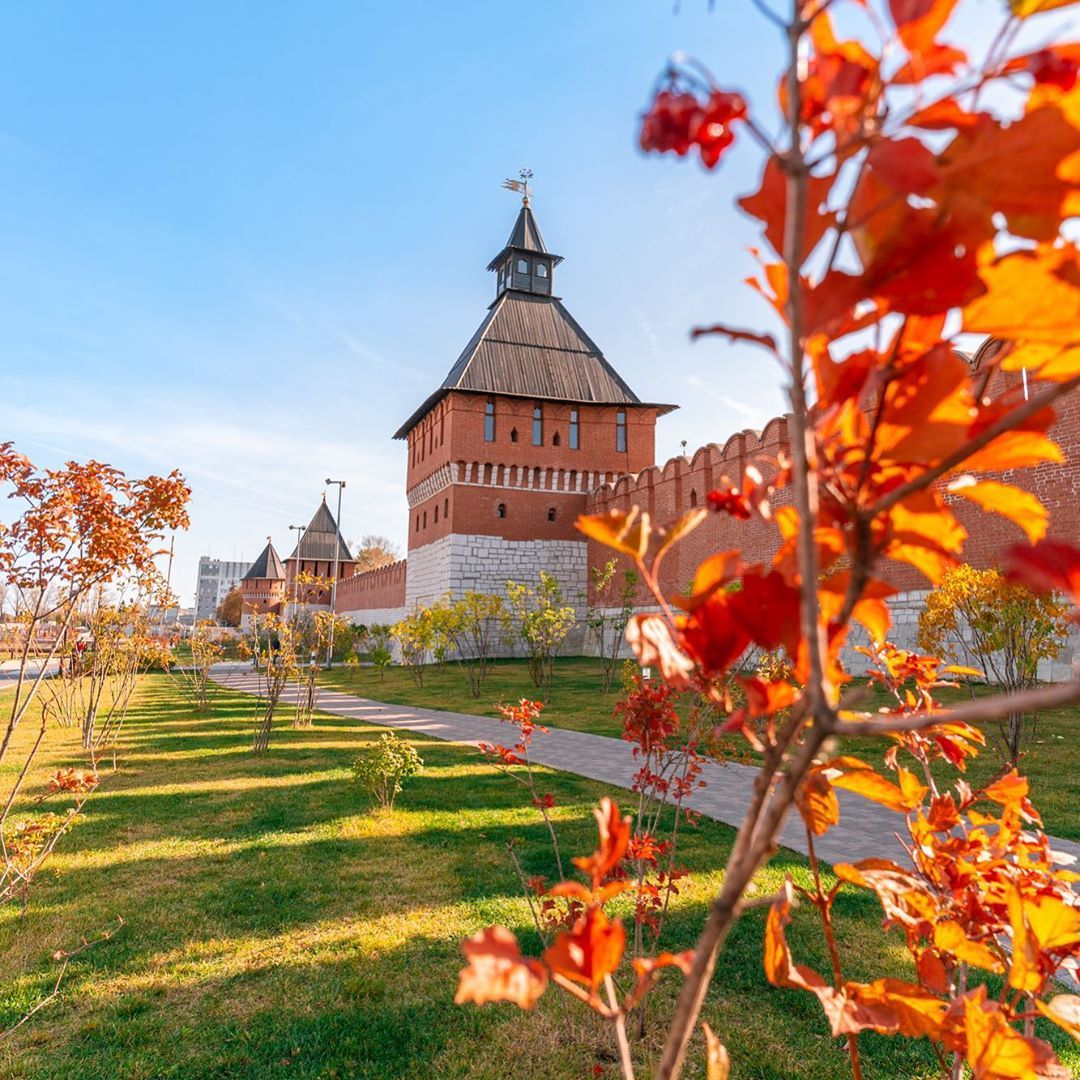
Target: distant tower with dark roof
(262,588)
(314,555)
(502,455)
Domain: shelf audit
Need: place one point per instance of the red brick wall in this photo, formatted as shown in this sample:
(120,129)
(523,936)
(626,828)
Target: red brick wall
(529,480)
(374,589)
(262,595)
(670,491)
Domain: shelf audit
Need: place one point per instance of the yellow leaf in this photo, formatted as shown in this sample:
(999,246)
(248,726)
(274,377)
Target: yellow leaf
(716,1056)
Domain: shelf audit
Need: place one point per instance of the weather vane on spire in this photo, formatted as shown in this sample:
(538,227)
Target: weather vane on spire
(521,185)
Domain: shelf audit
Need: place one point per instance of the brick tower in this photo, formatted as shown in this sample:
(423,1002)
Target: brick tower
(314,555)
(263,586)
(529,419)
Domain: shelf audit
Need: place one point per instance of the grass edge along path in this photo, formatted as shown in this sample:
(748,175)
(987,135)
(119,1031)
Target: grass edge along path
(1050,758)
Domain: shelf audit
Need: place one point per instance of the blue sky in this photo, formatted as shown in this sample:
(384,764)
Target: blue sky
(247,239)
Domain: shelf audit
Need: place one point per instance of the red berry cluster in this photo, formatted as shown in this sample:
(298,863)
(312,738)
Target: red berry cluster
(679,121)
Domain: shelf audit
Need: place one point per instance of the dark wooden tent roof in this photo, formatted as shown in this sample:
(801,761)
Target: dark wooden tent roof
(319,539)
(267,566)
(525,236)
(531,346)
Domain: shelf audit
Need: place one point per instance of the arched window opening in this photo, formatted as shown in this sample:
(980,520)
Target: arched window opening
(489,422)
(417,522)
(425,519)
(446,508)
(551,513)
(538,426)
(555,440)
(541,269)
(620,431)
(500,510)
(523,266)
(513,434)
(436,513)
(693,498)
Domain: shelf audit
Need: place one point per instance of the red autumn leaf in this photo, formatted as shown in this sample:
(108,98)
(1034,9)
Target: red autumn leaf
(498,972)
(919,21)
(1048,566)
(589,951)
(713,635)
(614,831)
(769,205)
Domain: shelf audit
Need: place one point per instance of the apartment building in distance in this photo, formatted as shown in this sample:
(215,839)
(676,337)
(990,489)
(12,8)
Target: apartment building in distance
(216,578)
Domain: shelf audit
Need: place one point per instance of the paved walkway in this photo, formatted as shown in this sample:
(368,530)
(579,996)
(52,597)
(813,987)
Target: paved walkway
(866,830)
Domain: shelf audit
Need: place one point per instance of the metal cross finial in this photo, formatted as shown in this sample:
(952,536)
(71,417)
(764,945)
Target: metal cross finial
(521,185)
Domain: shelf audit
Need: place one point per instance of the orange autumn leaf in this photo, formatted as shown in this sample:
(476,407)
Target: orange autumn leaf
(1030,296)
(919,21)
(1064,1010)
(626,531)
(817,803)
(588,952)
(851,774)
(498,972)
(614,831)
(1014,503)
(949,937)
(765,698)
(997,1051)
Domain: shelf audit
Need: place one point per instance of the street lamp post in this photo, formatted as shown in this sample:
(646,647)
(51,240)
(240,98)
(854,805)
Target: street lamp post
(301,529)
(333,581)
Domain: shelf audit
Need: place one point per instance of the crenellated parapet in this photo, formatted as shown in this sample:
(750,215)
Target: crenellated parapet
(682,482)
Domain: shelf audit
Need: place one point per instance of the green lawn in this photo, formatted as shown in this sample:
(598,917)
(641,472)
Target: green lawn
(1051,761)
(277,927)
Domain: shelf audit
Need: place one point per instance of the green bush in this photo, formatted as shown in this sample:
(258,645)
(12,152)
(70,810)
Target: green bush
(381,770)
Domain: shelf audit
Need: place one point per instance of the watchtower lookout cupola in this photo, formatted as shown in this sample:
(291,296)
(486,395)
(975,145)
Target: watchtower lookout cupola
(524,264)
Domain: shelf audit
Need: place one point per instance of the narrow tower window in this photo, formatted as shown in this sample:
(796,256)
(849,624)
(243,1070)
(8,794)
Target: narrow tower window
(489,422)
(513,434)
(693,498)
(500,510)
(574,429)
(541,269)
(555,440)
(551,513)
(523,266)
(538,426)
(620,431)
